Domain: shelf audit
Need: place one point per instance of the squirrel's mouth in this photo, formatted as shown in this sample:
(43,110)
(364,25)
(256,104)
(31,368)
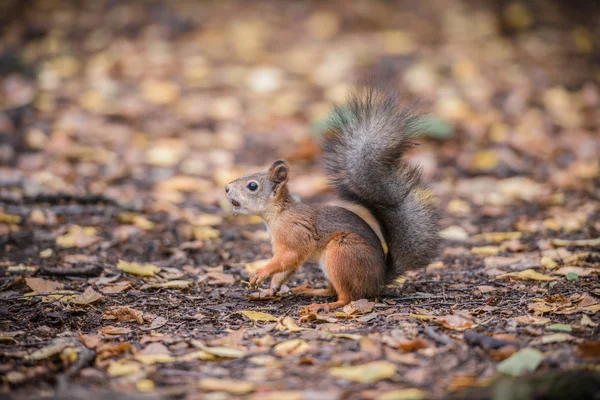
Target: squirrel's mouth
(235,203)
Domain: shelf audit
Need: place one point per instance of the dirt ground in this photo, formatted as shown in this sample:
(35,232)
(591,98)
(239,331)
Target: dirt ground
(124,273)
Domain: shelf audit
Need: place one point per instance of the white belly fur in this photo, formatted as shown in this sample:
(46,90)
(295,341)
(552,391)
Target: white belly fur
(320,258)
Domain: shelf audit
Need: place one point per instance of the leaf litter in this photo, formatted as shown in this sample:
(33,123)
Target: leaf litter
(116,235)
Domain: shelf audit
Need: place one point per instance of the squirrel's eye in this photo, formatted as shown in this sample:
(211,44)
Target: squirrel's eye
(252,186)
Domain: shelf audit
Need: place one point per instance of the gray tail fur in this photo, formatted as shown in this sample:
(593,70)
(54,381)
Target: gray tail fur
(363,158)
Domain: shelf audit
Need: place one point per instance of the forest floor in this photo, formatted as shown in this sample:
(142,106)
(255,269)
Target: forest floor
(123,270)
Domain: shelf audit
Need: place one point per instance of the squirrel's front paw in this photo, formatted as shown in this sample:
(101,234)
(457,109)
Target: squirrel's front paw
(258,277)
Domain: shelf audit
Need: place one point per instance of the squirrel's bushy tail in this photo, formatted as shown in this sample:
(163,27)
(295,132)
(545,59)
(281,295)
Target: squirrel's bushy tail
(363,158)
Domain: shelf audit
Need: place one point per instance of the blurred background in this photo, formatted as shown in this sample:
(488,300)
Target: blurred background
(163,102)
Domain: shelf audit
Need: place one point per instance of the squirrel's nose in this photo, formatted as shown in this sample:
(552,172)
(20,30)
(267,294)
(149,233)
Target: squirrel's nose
(227,188)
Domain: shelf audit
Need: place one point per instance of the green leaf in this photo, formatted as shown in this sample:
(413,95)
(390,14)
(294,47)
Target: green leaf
(435,127)
(560,327)
(572,276)
(526,360)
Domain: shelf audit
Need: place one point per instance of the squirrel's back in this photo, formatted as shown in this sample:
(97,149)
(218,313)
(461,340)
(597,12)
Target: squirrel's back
(363,158)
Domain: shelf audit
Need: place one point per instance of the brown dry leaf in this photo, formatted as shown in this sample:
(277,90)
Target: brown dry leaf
(219,278)
(362,306)
(138,269)
(40,285)
(502,353)
(412,344)
(154,353)
(404,394)
(89,296)
(78,236)
(367,373)
(528,274)
(114,330)
(532,320)
(117,288)
(176,284)
(90,341)
(158,322)
(589,349)
(226,385)
(124,313)
(110,349)
(455,322)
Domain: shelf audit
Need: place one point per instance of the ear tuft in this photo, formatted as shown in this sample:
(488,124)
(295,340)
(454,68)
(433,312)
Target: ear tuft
(278,172)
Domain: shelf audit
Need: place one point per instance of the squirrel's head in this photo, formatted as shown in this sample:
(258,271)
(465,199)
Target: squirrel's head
(256,194)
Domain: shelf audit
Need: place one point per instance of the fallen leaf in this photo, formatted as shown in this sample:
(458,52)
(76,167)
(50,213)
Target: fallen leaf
(577,271)
(226,385)
(412,344)
(366,373)
(485,250)
(9,219)
(455,322)
(123,368)
(589,349)
(78,236)
(497,237)
(124,313)
(587,321)
(289,324)
(114,330)
(291,347)
(220,278)
(138,269)
(47,352)
(404,394)
(556,338)
(176,284)
(158,322)
(560,327)
(362,306)
(90,341)
(40,285)
(205,233)
(258,316)
(454,233)
(89,296)
(223,352)
(528,274)
(532,320)
(526,360)
(576,243)
(145,385)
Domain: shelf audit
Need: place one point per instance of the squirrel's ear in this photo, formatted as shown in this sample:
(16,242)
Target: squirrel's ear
(278,172)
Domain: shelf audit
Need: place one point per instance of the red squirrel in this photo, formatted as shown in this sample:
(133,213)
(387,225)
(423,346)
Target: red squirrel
(362,157)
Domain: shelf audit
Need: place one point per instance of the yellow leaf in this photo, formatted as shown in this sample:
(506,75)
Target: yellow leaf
(403,394)
(576,243)
(291,347)
(528,274)
(548,262)
(197,355)
(587,321)
(149,359)
(40,285)
(138,269)
(205,233)
(9,218)
(366,373)
(123,368)
(145,385)
(223,352)
(136,219)
(497,237)
(258,316)
(485,250)
(289,324)
(78,236)
(226,385)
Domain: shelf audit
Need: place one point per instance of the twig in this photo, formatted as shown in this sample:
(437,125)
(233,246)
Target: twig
(88,270)
(26,296)
(486,342)
(440,337)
